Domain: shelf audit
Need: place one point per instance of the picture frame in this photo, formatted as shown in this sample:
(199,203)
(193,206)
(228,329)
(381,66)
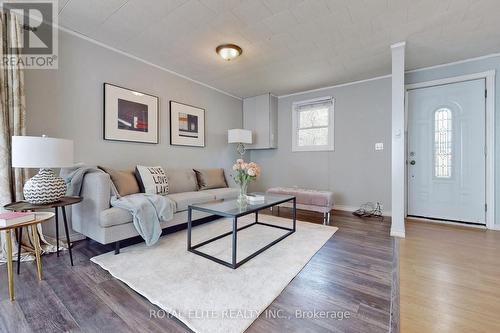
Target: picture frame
(187,125)
(130,115)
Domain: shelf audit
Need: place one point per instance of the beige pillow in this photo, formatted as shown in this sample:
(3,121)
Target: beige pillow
(124,180)
(210,178)
(181,180)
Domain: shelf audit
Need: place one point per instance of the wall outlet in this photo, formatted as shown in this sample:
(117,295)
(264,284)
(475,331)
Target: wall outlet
(379,146)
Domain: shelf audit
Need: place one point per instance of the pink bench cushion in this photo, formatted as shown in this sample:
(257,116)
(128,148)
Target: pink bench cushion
(307,197)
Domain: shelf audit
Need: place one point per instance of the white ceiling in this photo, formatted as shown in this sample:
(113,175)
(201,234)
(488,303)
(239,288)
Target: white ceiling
(288,45)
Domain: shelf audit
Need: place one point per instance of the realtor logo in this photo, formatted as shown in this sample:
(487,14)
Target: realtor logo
(37,45)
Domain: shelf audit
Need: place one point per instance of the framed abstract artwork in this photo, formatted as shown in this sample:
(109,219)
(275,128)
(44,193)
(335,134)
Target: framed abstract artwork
(130,115)
(187,125)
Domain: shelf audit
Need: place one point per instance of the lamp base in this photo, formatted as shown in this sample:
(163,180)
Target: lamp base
(44,188)
(241,149)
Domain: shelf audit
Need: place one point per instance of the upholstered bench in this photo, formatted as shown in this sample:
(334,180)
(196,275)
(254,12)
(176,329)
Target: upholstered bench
(307,199)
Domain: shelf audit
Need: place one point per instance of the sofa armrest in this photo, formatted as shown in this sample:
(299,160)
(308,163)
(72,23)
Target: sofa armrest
(96,193)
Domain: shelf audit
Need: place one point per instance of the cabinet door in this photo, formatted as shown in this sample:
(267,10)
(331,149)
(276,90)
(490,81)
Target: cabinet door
(249,117)
(273,122)
(256,119)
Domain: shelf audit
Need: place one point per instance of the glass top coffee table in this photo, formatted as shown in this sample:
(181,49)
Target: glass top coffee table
(231,209)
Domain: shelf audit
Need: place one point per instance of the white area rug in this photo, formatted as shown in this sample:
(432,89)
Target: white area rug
(207,296)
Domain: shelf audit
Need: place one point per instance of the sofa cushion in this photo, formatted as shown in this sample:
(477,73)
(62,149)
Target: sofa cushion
(210,178)
(181,180)
(225,193)
(184,199)
(123,180)
(114,216)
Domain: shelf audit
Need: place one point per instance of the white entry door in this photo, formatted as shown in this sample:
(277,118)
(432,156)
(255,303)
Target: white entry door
(446,152)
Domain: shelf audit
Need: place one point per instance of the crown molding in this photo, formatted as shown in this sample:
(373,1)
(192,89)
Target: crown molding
(398,45)
(91,40)
(393,46)
(458,62)
(492,55)
(336,86)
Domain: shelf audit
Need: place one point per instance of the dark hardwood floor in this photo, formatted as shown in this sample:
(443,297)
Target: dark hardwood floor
(349,276)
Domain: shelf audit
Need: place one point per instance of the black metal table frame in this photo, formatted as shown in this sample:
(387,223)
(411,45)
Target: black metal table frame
(234,264)
(66,230)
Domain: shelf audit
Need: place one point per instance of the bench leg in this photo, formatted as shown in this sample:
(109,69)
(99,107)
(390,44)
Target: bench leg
(117,247)
(326,218)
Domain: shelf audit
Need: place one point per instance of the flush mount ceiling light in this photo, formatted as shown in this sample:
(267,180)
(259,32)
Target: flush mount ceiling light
(228,51)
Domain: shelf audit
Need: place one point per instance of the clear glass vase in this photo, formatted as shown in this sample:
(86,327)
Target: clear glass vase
(242,197)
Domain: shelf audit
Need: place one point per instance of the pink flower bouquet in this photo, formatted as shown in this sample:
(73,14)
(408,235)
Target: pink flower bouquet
(244,174)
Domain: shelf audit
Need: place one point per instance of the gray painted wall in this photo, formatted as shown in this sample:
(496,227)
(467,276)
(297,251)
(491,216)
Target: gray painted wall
(355,172)
(68,103)
(471,67)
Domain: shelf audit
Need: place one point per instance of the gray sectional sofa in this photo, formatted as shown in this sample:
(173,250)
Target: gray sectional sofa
(95,218)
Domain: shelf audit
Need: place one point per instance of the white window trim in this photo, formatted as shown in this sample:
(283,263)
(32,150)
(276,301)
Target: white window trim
(331,127)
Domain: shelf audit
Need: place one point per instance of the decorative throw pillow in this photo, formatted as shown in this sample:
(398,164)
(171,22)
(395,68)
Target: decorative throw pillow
(152,180)
(210,178)
(181,180)
(123,180)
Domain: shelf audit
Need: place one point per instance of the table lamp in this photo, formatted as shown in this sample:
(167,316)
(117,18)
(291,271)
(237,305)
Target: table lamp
(44,153)
(239,136)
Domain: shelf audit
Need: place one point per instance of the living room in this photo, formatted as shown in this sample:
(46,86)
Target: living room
(249,166)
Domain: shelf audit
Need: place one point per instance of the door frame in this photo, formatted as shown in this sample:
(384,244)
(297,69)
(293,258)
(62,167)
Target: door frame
(489,77)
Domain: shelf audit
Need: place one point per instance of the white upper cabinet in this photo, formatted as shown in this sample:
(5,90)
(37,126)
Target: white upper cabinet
(260,115)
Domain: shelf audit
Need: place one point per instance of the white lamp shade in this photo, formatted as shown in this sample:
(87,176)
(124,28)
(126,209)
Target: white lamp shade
(239,136)
(41,152)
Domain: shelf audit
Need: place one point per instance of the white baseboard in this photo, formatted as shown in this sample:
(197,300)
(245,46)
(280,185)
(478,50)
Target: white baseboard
(353,209)
(456,224)
(496,227)
(76,237)
(400,234)
(62,239)
(345,208)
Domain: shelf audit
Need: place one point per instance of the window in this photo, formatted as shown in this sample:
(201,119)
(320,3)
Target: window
(313,125)
(442,143)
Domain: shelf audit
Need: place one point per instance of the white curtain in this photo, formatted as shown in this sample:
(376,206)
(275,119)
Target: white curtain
(13,122)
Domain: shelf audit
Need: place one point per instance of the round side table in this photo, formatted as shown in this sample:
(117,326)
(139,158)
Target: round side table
(23,206)
(39,218)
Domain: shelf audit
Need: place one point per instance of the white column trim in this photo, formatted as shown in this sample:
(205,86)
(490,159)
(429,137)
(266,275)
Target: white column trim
(398,134)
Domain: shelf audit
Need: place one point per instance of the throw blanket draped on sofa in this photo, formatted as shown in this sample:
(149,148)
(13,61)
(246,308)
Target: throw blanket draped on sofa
(74,177)
(148,210)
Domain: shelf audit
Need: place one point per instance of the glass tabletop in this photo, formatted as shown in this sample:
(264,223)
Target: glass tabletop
(231,208)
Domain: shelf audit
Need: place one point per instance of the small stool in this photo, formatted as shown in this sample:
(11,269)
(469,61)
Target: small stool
(39,218)
(308,199)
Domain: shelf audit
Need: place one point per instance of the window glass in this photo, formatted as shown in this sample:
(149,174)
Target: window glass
(313,125)
(313,137)
(313,118)
(443,144)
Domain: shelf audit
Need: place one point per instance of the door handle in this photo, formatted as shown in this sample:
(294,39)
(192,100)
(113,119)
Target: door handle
(412,162)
